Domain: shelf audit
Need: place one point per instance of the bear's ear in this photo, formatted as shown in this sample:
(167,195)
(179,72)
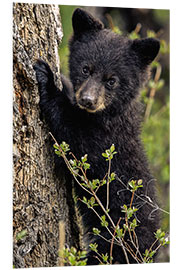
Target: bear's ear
(146,49)
(82,22)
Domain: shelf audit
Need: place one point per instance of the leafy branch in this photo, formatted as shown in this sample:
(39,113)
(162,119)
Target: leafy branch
(124,236)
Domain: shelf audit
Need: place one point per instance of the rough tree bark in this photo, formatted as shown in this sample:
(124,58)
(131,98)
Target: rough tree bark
(39,201)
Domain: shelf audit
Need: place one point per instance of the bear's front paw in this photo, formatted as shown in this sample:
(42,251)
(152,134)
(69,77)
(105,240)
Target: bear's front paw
(44,74)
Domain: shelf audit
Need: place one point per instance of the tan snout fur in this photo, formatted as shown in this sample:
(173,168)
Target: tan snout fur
(100,93)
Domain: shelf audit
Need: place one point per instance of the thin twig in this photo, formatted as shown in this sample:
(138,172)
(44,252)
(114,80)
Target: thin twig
(149,203)
(153,244)
(61,240)
(131,251)
(138,28)
(137,245)
(152,94)
(112,242)
(132,197)
(98,259)
(110,21)
(108,177)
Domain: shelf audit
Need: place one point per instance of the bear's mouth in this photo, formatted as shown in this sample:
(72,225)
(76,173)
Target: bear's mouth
(93,108)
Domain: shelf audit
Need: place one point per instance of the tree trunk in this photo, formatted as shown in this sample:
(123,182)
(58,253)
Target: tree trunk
(39,201)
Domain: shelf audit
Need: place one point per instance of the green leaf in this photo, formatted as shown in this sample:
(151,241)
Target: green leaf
(164,48)
(64,146)
(152,253)
(92,201)
(83,254)
(56,146)
(139,182)
(21,235)
(112,148)
(57,152)
(146,253)
(133,224)
(94,184)
(155,64)
(73,250)
(117,30)
(103,182)
(85,185)
(112,177)
(84,199)
(84,158)
(72,259)
(132,184)
(160,235)
(109,153)
(120,232)
(125,227)
(96,231)
(86,166)
(93,247)
(152,84)
(75,172)
(104,155)
(73,162)
(129,211)
(160,84)
(133,35)
(82,263)
(104,223)
(135,184)
(105,257)
(151,33)
(124,207)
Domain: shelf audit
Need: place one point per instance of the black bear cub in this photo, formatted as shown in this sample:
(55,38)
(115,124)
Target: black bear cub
(99,107)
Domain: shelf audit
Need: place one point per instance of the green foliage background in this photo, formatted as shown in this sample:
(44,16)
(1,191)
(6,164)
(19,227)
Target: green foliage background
(155,130)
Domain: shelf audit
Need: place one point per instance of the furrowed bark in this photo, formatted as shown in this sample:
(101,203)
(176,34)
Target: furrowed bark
(39,198)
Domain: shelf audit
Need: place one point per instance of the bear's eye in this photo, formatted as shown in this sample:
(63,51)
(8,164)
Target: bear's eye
(86,70)
(111,82)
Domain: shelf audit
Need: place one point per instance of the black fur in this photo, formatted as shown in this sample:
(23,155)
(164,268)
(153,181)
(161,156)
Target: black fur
(107,68)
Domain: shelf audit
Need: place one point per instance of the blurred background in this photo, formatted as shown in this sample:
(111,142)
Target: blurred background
(137,23)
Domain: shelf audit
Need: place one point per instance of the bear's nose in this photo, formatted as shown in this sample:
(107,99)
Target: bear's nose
(87,101)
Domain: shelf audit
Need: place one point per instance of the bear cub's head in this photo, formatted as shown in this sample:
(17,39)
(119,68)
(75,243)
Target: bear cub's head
(106,69)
